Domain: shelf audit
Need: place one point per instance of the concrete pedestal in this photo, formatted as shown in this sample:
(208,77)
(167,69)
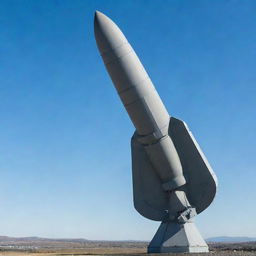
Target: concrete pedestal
(176,237)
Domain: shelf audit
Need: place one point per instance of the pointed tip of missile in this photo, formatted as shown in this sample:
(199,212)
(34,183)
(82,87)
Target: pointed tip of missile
(101,22)
(97,15)
(107,34)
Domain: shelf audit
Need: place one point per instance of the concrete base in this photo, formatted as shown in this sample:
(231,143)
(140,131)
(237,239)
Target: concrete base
(176,237)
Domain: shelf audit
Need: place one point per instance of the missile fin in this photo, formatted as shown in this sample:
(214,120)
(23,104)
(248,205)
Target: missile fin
(150,200)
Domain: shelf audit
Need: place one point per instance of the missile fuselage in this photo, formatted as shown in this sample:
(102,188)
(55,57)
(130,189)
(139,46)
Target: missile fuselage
(140,99)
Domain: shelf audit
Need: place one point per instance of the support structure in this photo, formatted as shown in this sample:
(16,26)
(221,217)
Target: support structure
(174,237)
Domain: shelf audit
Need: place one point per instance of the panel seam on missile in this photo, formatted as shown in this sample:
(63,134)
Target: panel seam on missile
(118,57)
(159,130)
(114,52)
(112,49)
(134,85)
(132,88)
(137,99)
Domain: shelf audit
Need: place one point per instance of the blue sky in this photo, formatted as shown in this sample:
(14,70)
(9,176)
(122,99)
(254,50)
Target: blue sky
(65,136)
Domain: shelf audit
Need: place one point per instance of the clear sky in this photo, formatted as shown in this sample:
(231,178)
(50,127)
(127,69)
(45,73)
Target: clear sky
(65,137)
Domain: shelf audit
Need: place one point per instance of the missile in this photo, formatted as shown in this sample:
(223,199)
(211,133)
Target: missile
(171,176)
(172,179)
(141,100)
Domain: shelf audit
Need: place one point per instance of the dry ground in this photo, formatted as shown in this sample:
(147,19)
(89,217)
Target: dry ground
(48,247)
(118,251)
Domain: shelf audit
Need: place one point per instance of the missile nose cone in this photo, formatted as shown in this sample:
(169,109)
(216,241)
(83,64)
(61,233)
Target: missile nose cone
(107,34)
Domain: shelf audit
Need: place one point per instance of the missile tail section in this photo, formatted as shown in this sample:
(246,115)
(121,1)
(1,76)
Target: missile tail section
(150,199)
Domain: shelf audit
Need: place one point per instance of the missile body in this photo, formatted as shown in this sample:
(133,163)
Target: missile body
(141,100)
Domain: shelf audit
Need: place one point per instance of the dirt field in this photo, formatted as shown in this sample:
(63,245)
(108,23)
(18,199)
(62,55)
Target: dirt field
(66,247)
(118,251)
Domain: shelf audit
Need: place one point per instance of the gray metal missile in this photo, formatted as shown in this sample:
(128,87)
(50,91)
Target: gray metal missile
(172,180)
(140,99)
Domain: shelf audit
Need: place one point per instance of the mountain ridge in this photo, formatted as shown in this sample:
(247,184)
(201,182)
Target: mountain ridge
(231,239)
(218,239)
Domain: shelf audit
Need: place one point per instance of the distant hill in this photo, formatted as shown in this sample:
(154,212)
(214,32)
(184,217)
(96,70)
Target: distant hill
(39,239)
(38,243)
(230,239)
(34,239)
